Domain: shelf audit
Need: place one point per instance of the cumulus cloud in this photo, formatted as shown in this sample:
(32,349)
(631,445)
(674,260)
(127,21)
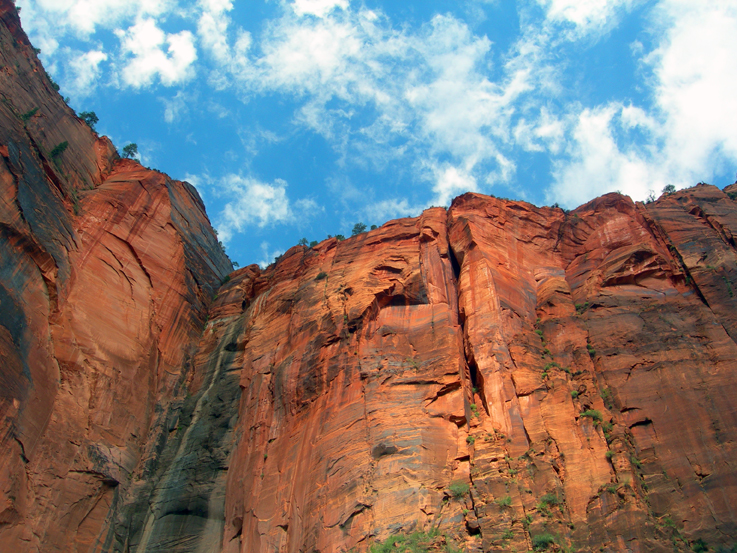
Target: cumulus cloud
(254,203)
(145,42)
(212,27)
(451,182)
(684,137)
(694,70)
(597,165)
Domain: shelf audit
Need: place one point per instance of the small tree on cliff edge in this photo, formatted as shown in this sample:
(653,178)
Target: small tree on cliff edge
(131,150)
(358,228)
(90,118)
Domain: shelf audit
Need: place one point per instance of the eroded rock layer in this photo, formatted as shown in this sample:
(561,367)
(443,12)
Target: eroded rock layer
(512,376)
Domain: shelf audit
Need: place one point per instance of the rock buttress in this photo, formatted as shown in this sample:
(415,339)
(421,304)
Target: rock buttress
(106,271)
(352,413)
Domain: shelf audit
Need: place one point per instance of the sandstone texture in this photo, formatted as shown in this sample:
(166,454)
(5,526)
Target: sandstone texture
(106,273)
(515,377)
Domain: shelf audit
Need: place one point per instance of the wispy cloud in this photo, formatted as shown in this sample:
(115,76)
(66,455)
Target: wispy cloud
(251,203)
(585,17)
(374,90)
(85,69)
(438,102)
(268,255)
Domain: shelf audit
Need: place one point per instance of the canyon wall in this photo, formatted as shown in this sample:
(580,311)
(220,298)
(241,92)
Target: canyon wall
(512,376)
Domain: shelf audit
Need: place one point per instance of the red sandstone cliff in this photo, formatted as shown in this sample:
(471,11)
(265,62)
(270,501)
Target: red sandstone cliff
(106,272)
(507,374)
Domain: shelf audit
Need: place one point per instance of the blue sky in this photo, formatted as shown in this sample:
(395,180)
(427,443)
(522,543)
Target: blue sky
(299,118)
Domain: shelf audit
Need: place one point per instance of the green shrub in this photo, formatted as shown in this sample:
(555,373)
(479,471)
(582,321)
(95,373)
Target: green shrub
(606,395)
(458,489)
(699,546)
(592,351)
(339,237)
(550,499)
(27,115)
(59,149)
(505,501)
(581,307)
(592,414)
(321,275)
(418,542)
(539,332)
(574,394)
(609,454)
(358,228)
(313,243)
(542,541)
(130,151)
(90,118)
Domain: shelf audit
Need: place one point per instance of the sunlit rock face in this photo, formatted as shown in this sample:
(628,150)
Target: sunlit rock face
(515,377)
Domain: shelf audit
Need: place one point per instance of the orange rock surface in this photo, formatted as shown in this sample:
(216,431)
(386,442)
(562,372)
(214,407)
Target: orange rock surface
(506,374)
(106,272)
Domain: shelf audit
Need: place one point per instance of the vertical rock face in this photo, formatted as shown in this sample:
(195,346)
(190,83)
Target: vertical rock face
(515,377)
(106,272)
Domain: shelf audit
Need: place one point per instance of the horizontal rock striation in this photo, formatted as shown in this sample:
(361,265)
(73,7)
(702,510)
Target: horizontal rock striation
(513,377)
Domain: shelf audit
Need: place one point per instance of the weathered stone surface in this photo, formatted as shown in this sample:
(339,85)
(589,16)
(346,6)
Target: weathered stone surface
(497,371)
(106,272)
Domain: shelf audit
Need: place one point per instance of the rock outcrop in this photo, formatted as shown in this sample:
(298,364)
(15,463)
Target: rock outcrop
(512,376)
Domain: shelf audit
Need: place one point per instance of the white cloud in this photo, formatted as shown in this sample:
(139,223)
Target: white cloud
(145,42)
(254,203)
(176,107)
(427,93)
(451,182)
(586,16)
(597,165)
(547,133)
(268,255)
(685,137)
(696,82)
(320,8)
(83,17)
(380,212)
(85,68)
(212,27)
